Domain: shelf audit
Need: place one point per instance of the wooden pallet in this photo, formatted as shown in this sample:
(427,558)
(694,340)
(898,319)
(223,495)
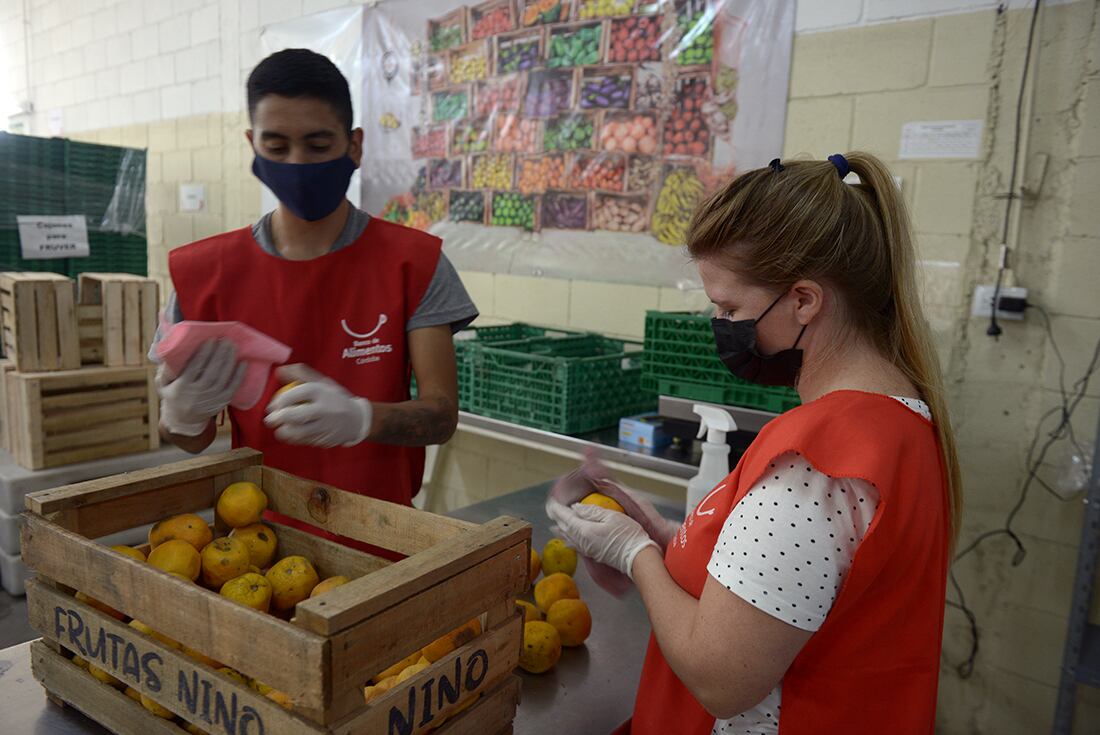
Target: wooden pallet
(117,318)
(57,418)
(38,321)
(323,655)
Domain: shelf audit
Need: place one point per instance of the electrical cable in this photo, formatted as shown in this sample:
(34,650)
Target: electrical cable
(994,329)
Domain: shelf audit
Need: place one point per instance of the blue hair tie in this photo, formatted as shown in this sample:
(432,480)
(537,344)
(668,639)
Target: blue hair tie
(841,164)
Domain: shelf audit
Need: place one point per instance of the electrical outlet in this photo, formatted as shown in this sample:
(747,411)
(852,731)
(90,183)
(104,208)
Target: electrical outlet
(982,306)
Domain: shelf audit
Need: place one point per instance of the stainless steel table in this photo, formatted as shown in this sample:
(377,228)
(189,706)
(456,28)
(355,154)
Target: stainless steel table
(589,692)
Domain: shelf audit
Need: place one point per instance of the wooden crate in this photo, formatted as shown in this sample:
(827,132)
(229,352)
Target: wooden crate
(116,318)
(5,368)
(67,416)
(39,321)
(323,655)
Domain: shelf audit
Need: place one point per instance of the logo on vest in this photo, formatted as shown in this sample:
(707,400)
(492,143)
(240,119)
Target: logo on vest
(365,347)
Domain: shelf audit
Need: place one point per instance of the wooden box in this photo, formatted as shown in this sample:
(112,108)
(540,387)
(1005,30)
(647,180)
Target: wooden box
(5,368)
(116,318)
(67,416)
(322,656)
(476,13)
(39,321)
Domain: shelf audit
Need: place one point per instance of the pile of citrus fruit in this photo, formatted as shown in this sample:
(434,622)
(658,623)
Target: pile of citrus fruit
(241,566)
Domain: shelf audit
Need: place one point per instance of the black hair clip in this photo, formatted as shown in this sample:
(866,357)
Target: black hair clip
(776,165)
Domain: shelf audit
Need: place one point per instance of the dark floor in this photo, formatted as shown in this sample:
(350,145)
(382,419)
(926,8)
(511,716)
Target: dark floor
(13,621)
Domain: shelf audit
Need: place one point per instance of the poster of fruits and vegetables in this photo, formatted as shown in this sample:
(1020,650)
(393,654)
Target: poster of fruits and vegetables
(601,119)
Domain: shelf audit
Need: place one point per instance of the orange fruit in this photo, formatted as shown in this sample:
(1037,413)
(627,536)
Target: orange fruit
(397,668)
(411,671)
(133,694)
(242,504)
(234,675)
(101,675)
(129,551)
(536,567)
(194,729)
(541,647)
(457,638)
(557,556)
(177,556)
(80,662)
(249,589)
(186,526)
(261,542)
(380,688)
(259,686)
(202,657)
(292,579)
(285,388)
(224,559)
(572,620)
(603,501)
(556,587)
(102,607)
(530,612)
(280,699)
(155,708)
(138,625)
(328,584)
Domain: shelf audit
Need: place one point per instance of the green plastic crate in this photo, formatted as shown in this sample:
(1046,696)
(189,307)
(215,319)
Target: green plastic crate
(680,360)
(569,385)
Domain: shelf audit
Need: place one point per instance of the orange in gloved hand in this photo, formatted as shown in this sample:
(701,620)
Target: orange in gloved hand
(288,386)
(603,501)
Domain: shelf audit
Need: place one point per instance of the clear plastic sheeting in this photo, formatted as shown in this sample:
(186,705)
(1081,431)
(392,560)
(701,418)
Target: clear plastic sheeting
(568,138)
(126,212)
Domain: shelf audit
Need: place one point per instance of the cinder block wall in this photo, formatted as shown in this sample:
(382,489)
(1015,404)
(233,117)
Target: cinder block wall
(169,76)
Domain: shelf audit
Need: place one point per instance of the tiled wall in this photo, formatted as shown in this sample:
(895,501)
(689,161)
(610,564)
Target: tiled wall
(169,75)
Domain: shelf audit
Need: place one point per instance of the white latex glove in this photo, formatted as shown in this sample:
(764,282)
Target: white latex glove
(318,413)
(606,536)
(202,389)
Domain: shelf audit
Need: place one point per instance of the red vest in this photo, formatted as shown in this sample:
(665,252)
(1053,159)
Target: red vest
(344,314)
(874,664)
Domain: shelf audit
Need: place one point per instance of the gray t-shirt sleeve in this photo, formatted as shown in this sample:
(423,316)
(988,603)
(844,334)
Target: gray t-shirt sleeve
(172,315)
(445,302)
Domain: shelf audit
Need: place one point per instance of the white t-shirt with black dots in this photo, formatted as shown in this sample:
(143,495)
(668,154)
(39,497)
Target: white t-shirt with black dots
(786,548)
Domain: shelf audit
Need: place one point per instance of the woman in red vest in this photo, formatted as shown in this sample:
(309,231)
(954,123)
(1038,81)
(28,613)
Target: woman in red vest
(361,301)
(805,594)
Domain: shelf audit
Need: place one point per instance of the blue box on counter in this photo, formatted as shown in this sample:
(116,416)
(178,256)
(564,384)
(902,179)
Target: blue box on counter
(644,430)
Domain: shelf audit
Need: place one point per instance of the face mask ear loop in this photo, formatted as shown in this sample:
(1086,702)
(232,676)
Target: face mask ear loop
(772,306)
(795,345)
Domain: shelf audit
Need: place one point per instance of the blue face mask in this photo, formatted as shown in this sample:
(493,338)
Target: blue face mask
(311,191)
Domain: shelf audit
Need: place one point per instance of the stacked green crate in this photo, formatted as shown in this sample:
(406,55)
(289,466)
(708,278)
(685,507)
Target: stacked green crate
(569,385)
(680,360)
(32,182)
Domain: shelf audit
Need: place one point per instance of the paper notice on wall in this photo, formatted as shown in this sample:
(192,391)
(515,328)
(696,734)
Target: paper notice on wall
(941,139)
(56,236)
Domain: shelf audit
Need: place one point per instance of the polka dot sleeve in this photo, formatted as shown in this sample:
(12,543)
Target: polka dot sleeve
(789,543)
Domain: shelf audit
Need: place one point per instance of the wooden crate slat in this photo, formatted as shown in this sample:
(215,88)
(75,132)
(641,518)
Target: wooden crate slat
(25,326)
(132,428)
(131,323)
(109,395)
(76,688)
(94,492)
(38,320)
(182,684)
(414,704)
(329,557)
(360,652)
(92,377)
(492,715)
(74,418)
(98,451)
(113,349)
(150,309)
(46,316)
(388,525)
(131,511)
(127,317)
(68,342)
(182,610)
(359,600)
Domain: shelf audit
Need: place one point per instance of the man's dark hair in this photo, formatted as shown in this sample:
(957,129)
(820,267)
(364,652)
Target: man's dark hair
(299,72)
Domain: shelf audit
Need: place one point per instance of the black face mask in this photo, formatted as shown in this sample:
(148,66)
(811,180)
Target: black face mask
(736,344)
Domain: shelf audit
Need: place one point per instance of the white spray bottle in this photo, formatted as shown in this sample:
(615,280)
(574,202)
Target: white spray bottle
(715,464)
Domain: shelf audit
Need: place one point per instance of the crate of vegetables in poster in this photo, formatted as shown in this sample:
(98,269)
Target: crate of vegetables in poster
(548,92)
(592,9)
(572,132)
(695,28)
(681,191)
(618,213)
(642,174)
(448,31)
(604,87)
(512,209)
(471,136)
(542,12)
(515,134)
(450,104)
(575,44)
(467,206)
(635,39)
(519,51)
(686,132)
(471,62)
(491,18)
(429,142)
(564,210)
(446,173)
(503,94)
(598,172)
(492,171)
(630,133)
(536,174)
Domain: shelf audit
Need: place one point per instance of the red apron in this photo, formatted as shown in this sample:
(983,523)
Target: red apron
(344,314)
(874,664)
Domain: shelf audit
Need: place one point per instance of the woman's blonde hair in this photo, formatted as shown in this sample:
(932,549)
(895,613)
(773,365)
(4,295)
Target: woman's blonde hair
(799,220)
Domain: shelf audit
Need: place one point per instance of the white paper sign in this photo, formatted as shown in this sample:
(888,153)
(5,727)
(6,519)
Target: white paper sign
(55,121)
(941,139)
(53,236)
(192,197)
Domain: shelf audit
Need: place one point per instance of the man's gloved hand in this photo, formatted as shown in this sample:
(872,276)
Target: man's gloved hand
(319,413)
(202,389)
(606,536)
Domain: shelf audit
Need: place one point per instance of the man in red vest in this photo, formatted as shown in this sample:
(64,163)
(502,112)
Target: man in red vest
(359,300)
